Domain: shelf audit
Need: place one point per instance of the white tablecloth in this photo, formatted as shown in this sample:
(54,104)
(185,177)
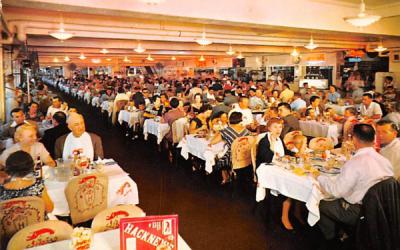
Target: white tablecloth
(121,190)
(96,101)
(153,127)
(319,129)
(107,106)
(130,117)
(108,240)
(199,147)
(338,109)
(43,126)
(282,181)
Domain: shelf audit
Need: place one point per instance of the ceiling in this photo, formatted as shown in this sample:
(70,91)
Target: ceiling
(119,28)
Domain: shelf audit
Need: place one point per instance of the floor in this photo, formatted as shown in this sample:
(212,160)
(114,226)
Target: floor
(209,218)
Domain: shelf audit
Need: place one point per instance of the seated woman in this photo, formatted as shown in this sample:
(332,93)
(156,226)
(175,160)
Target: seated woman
(22,183)
(199,122)
(196,104)
(218,121)
(310,114)
(269,147)
(34,113)
(26,138)
(228,135)
(155,108)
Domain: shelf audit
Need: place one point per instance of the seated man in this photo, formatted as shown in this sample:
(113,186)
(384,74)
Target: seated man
(60,128)
(55,107)
(88,144)
(18,118)
(370,109)
(390,144)
(291,123)
(298,104)
(172,115)
(362,171)
(243,107)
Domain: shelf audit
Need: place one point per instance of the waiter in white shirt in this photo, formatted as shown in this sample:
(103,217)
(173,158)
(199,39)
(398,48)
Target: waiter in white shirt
(370,109)
(362,171)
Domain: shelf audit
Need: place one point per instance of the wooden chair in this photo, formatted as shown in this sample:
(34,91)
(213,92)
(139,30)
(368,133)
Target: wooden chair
(179,129)
(86,196)
(254,159)
(17,213)
(40,234)
(118,105)
(109,218)
(321,144)
(241,152)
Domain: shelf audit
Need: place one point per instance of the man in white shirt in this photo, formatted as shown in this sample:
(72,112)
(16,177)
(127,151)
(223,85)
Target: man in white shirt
(390,144)
(370,109)
(88,144)
(362,171)
(55,107)
(243,107)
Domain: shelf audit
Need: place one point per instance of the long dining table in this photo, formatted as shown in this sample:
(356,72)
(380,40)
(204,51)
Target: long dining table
(155,127)
(279,178)
(122,189)
(199,147)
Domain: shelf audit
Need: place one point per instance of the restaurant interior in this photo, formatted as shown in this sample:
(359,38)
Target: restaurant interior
(245,124)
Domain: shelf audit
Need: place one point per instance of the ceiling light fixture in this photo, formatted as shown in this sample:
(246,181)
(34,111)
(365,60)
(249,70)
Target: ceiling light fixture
(126,59)
(380,48)
(203,40)
(66,58)
(362,19)
(55,60)
(104,51)
(149,58)
(295,53)
(240,56)
(173,58)
(96,60)
(82,56)
(139,49)
(109,59)
(311,45)
(61,34)
(230,51)
(202,59)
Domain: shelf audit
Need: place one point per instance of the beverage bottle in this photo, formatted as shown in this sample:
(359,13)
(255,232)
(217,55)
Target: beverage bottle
(38,168)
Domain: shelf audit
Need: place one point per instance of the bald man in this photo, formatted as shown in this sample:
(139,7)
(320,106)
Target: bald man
(88,144)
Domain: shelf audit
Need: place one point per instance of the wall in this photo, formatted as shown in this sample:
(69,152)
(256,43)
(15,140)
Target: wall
(394,67)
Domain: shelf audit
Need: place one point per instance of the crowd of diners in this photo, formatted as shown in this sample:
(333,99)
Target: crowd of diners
(224,108)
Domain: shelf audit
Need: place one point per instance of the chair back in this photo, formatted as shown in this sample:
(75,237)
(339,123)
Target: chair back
(254,159)
(290,137)
(17,213)
(378,226)
(40,234)
(109,218)
(118,105)
(179,129)
(241,151)
(321,144)
(86,196)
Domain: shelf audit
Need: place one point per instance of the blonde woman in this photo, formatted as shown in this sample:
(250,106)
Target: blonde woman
(26,140)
